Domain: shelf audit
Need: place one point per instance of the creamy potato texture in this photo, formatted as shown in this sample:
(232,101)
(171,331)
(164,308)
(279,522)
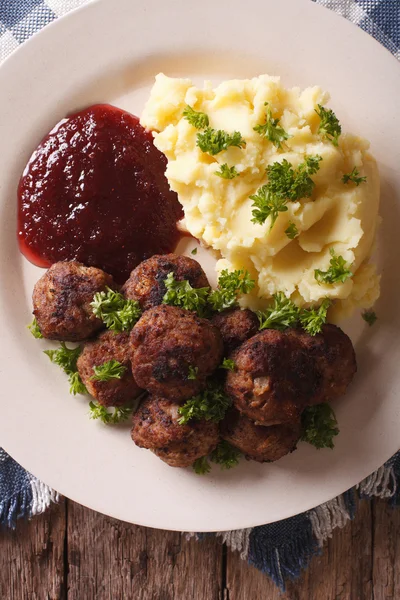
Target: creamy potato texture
(219,211)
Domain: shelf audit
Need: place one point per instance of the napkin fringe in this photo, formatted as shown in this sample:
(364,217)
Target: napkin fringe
(15,507)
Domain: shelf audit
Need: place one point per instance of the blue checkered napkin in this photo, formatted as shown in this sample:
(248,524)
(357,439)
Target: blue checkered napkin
(280,549)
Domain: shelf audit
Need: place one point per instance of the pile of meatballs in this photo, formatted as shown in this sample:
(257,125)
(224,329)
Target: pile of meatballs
(277,374)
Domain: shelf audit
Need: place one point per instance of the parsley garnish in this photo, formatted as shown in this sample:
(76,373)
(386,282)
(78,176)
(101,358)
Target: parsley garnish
(201,466)
(369,317)
(209,405)
(225,455)
(194,251)
(291,230)
(116,312)
(284,184)
(34,329)
(119,414)
(319,426)
(66,358)
(108,370)
(272,130)
(214,141)
(312,319)
(281,314)
(337,271)
(354,177)
(228,364)
(329,127)
(227,172)
(230,284)
(183,295)
(192,374)
(197,119)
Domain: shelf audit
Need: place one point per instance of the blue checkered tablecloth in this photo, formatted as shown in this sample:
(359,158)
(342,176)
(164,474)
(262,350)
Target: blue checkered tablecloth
(280,549)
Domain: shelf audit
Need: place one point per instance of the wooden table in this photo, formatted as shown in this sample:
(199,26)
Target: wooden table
(76,554)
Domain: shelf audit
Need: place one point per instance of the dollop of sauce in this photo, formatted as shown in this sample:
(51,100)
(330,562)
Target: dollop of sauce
(94,190)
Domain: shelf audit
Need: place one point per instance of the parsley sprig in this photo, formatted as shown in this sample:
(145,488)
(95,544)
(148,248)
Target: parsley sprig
(312,319)
(34,329)
(118,414)
(272,130)
(337,272)
(209,405)
(192,372)
(291,230)
(214,141)
(196,118)
(228,364)
(183,295)
(66,358)
(116,312)
(284,313)
(329,127)
(284,184)
(111,369)
(354,177)
(230,285)
(225,455)
(227,172)
(319,426)
(369,317)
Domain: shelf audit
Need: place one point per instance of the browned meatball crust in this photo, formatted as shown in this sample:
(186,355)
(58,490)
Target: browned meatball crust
(146,282)
(275,377)
(62,297)
(263,444)
(335,358)
(167,344)
(155,426)
(109,346)
(236,326)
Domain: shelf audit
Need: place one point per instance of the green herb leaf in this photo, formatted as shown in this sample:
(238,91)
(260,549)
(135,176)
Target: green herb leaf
(230,285)
(337,272)
(197,119)
(209,405)
(291,230)
(369,317)
(111,369)
(194,251)
(118,415)
(116,312)
(193,372)
(201,466)
(329,127)
(181,294)
(281,314)
(272,130)
(225,455)
(354,177)
(267,205)
(228,364)
(66,359)
(312,319)
(34,329)
(214,141)
(227,172)
(319,426)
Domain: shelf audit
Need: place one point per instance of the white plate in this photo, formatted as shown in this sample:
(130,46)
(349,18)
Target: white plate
(110,51)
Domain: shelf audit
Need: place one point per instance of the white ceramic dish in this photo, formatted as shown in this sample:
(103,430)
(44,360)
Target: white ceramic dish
(110,51)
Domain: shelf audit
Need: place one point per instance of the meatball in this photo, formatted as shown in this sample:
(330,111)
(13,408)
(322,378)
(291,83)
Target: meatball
(156,427)
(275,377)
(236,326)
(335,358)
(174,351)
(263,444)
(62,297)
(109,346)
(146,282)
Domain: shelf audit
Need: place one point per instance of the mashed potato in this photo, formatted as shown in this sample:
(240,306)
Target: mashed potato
(219,211)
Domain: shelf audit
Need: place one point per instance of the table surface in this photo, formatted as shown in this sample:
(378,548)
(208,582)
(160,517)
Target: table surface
(72,553)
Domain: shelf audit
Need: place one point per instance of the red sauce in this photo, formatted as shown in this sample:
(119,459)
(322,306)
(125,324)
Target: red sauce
(95,191)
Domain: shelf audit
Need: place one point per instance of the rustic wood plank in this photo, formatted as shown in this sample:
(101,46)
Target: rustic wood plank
(386,555)
(32,558)
(342,572)
(111,560)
